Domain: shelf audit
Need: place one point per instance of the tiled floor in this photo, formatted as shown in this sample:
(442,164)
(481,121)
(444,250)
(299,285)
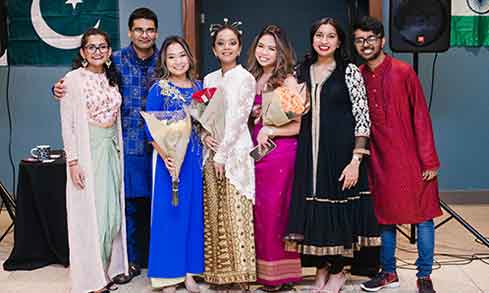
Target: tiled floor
(451,239)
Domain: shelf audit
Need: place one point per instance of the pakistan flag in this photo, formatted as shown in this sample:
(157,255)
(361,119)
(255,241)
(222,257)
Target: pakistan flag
(48,32)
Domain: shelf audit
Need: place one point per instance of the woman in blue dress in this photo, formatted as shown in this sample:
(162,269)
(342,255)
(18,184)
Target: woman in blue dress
(177,232)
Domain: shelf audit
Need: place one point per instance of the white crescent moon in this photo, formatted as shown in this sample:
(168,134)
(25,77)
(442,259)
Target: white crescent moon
(48,35)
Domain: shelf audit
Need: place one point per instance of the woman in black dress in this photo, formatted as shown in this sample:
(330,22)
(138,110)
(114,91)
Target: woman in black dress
(331,213)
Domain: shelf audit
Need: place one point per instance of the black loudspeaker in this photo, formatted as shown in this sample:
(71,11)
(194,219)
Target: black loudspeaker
(3,27)
(419,25)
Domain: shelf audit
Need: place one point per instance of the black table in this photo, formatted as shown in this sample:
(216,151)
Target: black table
(40,235)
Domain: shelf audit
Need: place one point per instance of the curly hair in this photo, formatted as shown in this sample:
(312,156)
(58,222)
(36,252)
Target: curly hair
(284,64)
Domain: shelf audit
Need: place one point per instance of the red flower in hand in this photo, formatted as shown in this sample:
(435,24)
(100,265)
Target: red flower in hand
(204,96)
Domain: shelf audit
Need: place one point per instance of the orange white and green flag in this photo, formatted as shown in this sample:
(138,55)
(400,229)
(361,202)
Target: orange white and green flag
(469,23)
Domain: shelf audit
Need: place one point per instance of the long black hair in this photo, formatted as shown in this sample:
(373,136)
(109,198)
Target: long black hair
(341,55)
(110,71)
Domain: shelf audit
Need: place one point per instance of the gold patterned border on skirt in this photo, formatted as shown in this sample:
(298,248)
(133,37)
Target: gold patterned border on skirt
(230,278)
(336,201)
(332,250)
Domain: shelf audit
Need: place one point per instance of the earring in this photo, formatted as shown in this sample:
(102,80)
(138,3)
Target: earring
(108,63)
(84,63)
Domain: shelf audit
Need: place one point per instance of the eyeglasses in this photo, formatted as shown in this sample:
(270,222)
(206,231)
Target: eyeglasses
(93,48)
(370,40)
(140,31)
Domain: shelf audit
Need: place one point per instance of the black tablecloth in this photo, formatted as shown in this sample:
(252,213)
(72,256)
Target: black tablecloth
(40,235)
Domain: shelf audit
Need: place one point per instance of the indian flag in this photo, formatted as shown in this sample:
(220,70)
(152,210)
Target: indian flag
(469,23)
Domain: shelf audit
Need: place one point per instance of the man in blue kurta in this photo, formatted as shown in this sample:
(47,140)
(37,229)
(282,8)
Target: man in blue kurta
(136,64)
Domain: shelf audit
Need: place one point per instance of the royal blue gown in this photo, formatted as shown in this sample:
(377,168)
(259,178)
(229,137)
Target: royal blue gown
(177,232)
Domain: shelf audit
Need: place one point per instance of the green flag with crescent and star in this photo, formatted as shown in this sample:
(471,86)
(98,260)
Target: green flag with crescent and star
(48,32)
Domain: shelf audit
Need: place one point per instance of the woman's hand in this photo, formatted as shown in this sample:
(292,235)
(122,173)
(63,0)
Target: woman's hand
(77,176)
(210,142)
(262,138)
(219,168)
(256,111)
(169,164)
(59,90)
(350,174)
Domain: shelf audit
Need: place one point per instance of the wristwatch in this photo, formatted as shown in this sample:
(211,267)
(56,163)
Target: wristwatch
(357,157)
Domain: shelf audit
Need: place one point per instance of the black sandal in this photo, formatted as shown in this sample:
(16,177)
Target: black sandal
(121,279)
(107,288)
(288,287)
(270,288)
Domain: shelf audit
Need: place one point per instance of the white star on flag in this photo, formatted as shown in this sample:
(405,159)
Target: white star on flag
(73,3)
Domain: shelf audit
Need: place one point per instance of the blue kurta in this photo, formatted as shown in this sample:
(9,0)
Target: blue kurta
(177,233)
(135,80)
(136,77)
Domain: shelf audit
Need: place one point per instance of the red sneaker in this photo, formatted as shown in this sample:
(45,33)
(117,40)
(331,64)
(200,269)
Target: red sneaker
(425,285)
(380,281)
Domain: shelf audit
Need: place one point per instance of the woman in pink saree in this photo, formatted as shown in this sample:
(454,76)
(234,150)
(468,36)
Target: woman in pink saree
(271,60)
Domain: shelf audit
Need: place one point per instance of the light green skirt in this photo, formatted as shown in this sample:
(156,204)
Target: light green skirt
(107,175)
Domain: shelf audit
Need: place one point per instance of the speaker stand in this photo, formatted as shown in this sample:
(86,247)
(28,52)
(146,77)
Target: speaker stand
(453,215)
(412,231)
(9,202)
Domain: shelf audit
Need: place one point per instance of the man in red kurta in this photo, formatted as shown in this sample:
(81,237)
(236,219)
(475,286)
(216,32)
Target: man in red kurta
(404,162)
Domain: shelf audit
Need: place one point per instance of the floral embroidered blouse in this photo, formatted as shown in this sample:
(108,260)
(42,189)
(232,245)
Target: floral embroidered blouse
(102,100)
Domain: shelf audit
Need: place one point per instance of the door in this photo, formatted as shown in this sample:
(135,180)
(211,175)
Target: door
(295,17)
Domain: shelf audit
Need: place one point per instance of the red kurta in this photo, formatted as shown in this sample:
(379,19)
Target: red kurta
(401,145)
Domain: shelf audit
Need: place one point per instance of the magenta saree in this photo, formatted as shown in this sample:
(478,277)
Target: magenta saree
(274,177)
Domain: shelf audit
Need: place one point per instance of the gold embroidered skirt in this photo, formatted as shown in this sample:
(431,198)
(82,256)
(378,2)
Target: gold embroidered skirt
(229,244)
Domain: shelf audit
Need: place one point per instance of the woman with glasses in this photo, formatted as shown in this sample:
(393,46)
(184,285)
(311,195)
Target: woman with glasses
(91,129)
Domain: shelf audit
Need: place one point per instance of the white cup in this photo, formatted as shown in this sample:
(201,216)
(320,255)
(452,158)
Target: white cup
(41,152)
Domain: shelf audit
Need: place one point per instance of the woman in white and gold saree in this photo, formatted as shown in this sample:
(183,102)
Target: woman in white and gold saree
(229,178)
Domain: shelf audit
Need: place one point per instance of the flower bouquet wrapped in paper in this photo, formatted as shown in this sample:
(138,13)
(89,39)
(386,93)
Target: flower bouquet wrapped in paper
(281,106)
(171,131)
(208,108)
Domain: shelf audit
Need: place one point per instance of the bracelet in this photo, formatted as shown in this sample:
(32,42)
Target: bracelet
(357,158)
(361,151)
(72,163)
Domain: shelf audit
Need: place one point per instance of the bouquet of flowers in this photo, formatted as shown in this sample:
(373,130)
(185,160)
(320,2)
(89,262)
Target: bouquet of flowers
(208,108)
(171,131)
(281,106)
